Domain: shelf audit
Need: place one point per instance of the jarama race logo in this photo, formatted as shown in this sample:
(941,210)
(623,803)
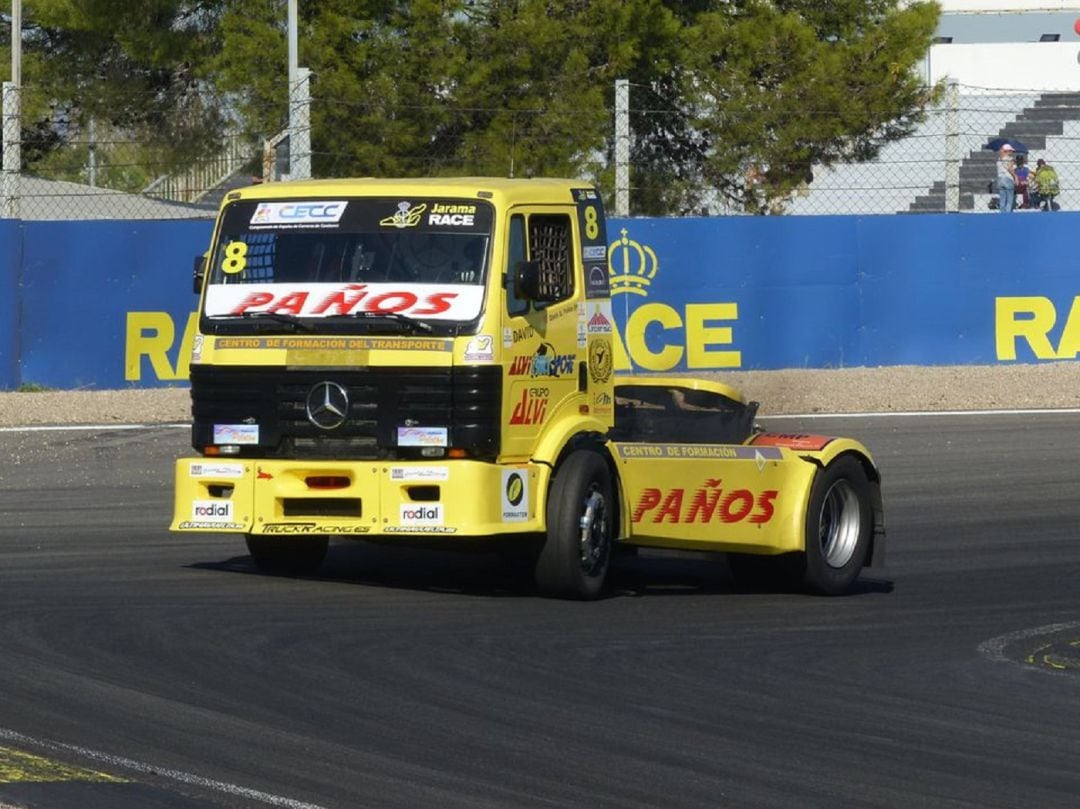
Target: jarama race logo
(707,503)
(455,215)
(406,216)
(657,336)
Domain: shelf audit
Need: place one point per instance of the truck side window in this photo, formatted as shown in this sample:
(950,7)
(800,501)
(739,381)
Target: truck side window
(516,253)
(551,244)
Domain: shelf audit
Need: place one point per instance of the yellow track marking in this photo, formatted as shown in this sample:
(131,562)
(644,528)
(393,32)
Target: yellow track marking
(22,768)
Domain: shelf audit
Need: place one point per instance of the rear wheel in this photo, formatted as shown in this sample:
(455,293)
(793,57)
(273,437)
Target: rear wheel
(839,527)
(290,556)
(573,561)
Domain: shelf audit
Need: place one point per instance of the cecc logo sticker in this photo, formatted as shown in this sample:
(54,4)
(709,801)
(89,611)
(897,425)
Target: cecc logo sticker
(515,496)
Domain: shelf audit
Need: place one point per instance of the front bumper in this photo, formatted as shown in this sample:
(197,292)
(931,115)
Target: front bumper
(358,498)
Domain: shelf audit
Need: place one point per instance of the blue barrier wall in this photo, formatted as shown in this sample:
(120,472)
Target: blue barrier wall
(10,266)
(847,291)
(10,245)
(106,304)
(80,281)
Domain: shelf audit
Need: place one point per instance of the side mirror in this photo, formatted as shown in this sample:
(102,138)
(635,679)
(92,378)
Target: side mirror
(198,274)
(528,284)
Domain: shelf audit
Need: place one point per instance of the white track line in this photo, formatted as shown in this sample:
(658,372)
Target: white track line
(159,772)
(1061,411)
(928,413)
(994,649)
(54,428)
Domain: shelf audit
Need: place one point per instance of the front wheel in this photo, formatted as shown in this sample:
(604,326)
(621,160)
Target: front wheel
(839,527)
(573,561)
(295,556)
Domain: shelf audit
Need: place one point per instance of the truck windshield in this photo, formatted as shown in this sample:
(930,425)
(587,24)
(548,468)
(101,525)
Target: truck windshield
(420,259)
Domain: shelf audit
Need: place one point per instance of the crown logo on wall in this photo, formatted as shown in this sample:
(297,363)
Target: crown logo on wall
(631,266)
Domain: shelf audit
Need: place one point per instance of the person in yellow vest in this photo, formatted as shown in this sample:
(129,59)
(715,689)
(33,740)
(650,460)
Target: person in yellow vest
(1045,186)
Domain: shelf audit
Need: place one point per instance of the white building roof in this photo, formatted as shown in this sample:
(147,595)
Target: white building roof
(999,6)
(40,199)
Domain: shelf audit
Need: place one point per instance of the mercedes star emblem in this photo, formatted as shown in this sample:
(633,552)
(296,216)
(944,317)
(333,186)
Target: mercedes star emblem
(327,405)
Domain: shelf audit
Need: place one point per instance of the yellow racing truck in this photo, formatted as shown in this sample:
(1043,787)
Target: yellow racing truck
(433,359)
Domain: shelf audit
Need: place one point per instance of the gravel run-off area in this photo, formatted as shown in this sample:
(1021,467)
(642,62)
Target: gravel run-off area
(787,392)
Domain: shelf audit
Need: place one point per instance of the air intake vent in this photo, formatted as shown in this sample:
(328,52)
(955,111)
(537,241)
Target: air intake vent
(466,400)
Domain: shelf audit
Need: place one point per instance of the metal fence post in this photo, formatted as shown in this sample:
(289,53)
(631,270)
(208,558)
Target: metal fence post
(952,147)
(622,147)
(12,162)
(300,128)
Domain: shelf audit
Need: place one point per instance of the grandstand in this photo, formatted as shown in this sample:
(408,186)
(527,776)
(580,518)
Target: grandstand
(1016,71)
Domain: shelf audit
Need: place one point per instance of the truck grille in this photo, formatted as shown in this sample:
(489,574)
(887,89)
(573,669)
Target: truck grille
(466,400)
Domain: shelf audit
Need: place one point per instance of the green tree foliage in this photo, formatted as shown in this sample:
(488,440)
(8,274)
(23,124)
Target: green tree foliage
(442,86)
(776,88)
(546,79)
(733,102)
(381,71)
(132,69)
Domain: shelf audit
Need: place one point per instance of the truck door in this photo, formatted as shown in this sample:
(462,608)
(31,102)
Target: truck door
(544,344)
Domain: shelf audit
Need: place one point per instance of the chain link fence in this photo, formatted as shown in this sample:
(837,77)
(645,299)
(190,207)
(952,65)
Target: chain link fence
(114,178)
(116,181)
(944,166)
(73,169)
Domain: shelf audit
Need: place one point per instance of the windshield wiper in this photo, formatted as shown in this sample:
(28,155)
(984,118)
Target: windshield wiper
(396,317)
(276,317)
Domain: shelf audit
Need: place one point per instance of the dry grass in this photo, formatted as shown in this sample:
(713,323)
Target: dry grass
(844,390)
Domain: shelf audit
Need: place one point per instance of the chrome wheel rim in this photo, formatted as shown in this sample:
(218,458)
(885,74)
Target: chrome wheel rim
(839,524)
(594,531)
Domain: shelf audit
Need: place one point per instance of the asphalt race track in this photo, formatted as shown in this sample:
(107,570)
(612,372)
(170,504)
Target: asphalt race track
(142,669)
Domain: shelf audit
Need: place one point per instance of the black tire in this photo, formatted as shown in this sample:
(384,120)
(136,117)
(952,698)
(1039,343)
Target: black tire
(295,556)
(839,527)
(581,513)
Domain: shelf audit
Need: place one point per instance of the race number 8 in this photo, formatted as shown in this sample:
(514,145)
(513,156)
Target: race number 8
(235,258)
(592,224)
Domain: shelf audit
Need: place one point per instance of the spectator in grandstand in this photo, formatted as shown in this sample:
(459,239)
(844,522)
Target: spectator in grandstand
(1022,173)
(1045,186)
(1006,179)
